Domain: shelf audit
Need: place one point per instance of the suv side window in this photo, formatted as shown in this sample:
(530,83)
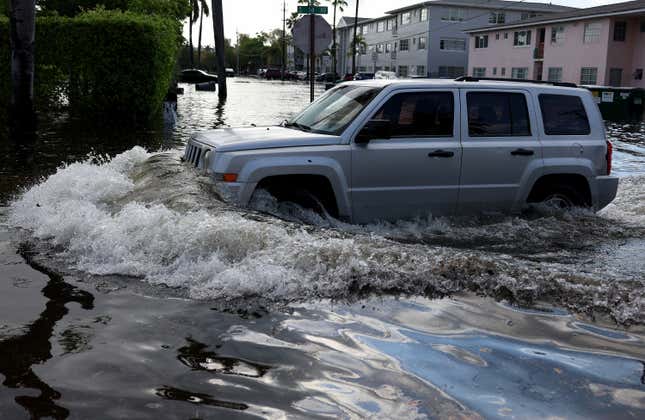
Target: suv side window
(497,114)
(564,115)
(419,114)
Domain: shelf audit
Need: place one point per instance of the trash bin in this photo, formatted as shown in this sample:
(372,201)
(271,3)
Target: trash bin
(622,104)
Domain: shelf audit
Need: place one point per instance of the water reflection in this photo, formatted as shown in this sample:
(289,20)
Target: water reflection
(196,356)
(18,354)
(176,394)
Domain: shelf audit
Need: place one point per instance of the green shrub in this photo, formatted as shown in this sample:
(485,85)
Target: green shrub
(102,64)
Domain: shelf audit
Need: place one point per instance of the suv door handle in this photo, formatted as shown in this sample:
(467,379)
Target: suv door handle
(522,152)
(441,153)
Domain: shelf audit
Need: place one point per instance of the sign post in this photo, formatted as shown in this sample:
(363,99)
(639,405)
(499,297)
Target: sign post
(312,35)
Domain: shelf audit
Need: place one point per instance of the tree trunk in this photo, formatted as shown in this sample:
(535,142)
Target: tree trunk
(354,40)
(218,30)
(199,42)
(23,36)
(190,42)
(333,45)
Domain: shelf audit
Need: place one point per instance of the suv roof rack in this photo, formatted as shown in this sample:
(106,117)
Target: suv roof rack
(500,79)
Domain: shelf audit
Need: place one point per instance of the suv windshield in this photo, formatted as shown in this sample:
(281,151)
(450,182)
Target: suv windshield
(335,110)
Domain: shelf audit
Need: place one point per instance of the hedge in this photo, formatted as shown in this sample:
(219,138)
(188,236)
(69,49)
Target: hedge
(101,64)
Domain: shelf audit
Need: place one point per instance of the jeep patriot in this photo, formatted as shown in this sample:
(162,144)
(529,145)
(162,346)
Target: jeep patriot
(392,149)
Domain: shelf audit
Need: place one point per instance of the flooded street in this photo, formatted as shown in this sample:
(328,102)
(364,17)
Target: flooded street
(129,290)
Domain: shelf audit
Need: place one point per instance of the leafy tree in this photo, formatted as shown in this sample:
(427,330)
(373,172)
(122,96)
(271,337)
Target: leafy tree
(360,43)
(193,16)
(176,9)
(74,7)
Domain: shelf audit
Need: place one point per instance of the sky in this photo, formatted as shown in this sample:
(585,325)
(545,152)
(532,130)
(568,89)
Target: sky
(252,16)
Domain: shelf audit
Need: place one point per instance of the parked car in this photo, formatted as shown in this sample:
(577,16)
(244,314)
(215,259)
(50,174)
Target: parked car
(196,76)
(327,77)
(363,76)
(301,75)
(393,149)
(387,75)
(230,72)
(273,74)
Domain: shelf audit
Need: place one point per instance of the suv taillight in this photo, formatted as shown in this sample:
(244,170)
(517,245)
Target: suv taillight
(610,151)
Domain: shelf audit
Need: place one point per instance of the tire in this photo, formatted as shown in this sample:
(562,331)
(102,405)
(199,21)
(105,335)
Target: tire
(304,199)
(561,196)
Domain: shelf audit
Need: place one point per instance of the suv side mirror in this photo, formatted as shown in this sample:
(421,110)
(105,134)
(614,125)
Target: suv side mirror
(374,129)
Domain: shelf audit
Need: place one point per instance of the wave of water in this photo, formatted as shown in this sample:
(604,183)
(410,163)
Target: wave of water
(148,216)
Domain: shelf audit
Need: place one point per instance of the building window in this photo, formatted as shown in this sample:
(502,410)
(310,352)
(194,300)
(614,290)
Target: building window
(592,33)
(404,45)
(497,17)
(615,77)
(421,45)
(494,71)
(454,15)
(522,38)
(403,71)
(563,115)
(481,41)
(557,35)
(362,49)
(421,70)
(362,68)
(497,114)
(588,75)
(496,37)
(503,71)
(528,15)
(406,18)
(452,44)
(479,71)
(520,73)
(451,72)
(380,26)
(505,35)
(424,14)
(389,24)
(388,47)
(365,29)
(554,74)
(620,31)
(379,48)
(638,74)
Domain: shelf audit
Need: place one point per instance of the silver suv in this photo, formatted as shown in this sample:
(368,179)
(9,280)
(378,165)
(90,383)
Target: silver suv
(390,149)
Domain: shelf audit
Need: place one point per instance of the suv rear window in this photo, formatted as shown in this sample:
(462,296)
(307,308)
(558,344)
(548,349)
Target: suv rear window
(564,115)
(497,114)
(419,114)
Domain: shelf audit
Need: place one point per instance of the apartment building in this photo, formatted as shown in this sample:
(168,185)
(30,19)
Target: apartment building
(595,46)
(427,39)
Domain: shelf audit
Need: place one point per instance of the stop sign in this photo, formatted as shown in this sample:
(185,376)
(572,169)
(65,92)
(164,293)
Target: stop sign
(322,34)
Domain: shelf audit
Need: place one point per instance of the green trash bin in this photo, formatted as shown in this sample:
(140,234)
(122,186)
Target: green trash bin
(621,104)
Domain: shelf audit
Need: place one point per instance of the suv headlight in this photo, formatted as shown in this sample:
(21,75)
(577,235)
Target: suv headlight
(207,160)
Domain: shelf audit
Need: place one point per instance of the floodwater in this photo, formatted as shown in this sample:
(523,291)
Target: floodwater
(127,290)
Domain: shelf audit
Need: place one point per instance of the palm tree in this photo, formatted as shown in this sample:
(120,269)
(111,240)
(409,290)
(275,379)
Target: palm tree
(291,21)
(358,42)
(354,39)
(192,18)
(23,33)
(338,4)
(204,10)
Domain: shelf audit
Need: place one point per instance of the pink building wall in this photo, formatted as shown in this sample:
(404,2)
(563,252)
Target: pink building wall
(572,54)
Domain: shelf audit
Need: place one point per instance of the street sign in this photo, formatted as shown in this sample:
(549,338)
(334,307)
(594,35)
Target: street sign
(317,10)
(322,35)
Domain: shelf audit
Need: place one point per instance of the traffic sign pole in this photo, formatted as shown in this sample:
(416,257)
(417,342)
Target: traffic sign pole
(312,55)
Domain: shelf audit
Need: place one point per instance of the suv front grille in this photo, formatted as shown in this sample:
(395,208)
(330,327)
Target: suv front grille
(194,154)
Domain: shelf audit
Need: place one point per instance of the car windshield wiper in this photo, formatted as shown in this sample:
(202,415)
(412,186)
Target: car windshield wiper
(298,126)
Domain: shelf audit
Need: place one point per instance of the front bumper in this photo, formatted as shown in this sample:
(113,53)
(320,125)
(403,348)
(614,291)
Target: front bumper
(607,187)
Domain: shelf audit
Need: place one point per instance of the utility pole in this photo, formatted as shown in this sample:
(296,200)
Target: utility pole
(22,37)
(237,48)
(218,31)
(284,38)
(354,40)
(312,47)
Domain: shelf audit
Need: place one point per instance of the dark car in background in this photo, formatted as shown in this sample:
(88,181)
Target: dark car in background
(363,76)
(196,76)
(327,77)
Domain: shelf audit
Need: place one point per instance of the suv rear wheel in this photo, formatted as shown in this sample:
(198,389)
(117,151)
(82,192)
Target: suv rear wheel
(562,196)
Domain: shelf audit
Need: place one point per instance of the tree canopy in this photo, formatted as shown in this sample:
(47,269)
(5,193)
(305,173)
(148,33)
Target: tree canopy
(177,9)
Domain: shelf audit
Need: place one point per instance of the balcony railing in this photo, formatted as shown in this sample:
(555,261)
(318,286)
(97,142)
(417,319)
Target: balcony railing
(538,52)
